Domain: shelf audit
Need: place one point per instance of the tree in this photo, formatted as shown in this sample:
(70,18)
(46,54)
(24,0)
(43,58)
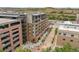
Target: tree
(66,48)
(1,50)
(47,49)
(22,50)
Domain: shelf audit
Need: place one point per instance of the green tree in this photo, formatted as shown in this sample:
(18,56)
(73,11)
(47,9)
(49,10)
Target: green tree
(47,49)
(23,50)
(66,48)
(1,50)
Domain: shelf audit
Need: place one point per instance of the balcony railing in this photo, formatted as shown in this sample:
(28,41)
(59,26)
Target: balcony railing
(5,40)
(16,44)
(4,45)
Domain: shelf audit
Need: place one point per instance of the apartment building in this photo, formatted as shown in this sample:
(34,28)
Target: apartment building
(33,24)
(37,24)
(10,34)
(68,33)
(21,17)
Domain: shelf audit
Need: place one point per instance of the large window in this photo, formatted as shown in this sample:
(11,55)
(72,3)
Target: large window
(6,46)
(64,39)
(15,36)
(16,41)
(4,37)
(72,35)
(14,17)
(64,33)
(6,42)
(14,29)
(16,46)
(71,40)
(59,33)
(5,32)
(4,26)
(36,18)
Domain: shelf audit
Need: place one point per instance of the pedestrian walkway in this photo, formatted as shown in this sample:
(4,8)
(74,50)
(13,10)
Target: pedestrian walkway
(47,43)
(49,39)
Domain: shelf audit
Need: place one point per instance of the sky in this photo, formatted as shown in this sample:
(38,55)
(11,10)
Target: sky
(40,3)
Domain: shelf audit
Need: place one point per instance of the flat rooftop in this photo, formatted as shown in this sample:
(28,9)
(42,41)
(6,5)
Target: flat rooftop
(11,14)
(69,26)
(37,14)
(5,20)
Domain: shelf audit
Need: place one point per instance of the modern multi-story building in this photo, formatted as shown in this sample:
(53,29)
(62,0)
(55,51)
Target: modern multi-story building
(33,25)
(37,24)
(10,34)
(21,17)
(68,33)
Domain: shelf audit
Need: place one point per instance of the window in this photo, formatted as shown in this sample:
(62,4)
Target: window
(5,32)
(33,17)
(4,26)
(39,16)
(72,35)
(13,17)
(14,29)
(16,41)
(39,38)
(71,40)
(10,51)
(6,46)
(2,17)
(36,20)
(4,37)
(59,33)
(6,42)
(15,36)
(64,33)
(15,32)
(36,25)
(15,23)
(16,46)
(36,17)
(64,39)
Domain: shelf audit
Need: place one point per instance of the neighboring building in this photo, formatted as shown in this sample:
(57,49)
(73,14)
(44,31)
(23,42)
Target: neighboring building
(37,24)
(21,17)
(68,33)
(55,23)
(10,34)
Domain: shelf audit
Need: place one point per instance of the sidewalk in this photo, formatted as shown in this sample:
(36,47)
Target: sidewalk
(47,43)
